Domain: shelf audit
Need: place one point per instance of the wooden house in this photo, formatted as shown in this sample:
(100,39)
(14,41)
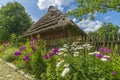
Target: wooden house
(54,24)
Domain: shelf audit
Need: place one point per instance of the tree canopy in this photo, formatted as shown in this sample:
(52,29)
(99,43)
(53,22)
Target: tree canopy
(14,19)
(90,7)
(108,29)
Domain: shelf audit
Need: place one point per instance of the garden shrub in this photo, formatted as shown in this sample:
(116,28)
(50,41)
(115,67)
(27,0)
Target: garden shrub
(8,54)
(77,62)
(31,57)
(71,62)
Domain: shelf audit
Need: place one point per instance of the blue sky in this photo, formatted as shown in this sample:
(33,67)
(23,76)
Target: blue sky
(37,8)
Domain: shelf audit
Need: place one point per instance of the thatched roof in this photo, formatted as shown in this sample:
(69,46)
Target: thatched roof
(51,20)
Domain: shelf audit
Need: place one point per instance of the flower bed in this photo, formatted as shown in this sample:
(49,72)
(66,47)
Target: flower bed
(71,62)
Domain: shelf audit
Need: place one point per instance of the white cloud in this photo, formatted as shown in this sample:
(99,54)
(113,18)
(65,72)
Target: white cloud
(75,20)
(89,25)
(71,7)
(44,4)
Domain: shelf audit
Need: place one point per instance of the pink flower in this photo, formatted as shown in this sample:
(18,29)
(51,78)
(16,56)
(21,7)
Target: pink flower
(27,57)
(47,56)
(99,55)
(51,54)
(105,50)
(33,40)
(107,57)
(102,49)
(33,47)
(22,48)
(55,50)
(18,53)
(113,72)
(108,50)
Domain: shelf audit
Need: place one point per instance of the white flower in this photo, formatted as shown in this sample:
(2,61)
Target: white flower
(74,43)
(80,47)
(89,47)
(66,65)
(59,63)
(97,52)
(107,57)
(62,49)
(88,44)
(75,54)
(84,45)
(103,59)
(65,71)
(75,49)
(65,55)
(71,45)
(60,53)
(72,48)
(65,46)
(91,53)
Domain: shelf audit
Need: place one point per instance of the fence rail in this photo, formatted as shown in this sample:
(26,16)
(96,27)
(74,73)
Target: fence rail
(98,41)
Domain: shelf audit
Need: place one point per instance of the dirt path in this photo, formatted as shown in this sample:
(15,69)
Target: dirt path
(7,73)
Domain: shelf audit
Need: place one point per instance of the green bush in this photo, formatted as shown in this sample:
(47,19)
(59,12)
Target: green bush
(31,58)
(8,54)
(71,62)
(77,62)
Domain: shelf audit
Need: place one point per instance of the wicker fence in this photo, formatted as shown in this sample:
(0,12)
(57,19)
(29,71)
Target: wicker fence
(97,41)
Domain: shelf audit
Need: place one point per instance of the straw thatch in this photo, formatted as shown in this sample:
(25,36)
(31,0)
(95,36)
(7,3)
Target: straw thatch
(54,24)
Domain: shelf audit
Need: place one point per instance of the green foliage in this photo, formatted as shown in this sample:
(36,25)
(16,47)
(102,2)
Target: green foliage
(71,62)
(108,30)
(14,19)
(8,54)
(92,6)
(82,64)
(13,39)
(51,70)
(16,40)
(35,64)
(38,63)
(2,34)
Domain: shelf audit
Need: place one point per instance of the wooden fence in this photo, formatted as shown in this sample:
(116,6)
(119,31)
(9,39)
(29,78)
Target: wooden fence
(97,41)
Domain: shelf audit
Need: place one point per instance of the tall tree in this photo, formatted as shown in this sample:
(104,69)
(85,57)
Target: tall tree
(14,19)
(90,7)
(107,30)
